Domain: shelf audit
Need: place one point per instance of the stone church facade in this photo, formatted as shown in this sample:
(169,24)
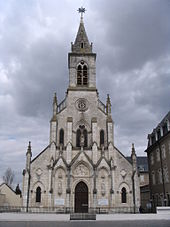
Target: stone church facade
(81,169)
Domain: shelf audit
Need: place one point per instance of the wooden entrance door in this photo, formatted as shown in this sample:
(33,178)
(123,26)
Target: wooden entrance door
(81,198)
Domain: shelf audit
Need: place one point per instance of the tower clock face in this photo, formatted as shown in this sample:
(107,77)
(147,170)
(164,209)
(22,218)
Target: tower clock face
(82,104)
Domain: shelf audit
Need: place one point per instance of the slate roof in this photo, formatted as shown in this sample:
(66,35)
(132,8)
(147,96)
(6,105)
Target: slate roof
(142,162)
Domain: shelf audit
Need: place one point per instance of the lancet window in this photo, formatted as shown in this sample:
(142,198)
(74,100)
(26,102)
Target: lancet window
(61,139)
(82,74)
(78,134)
(101,137)
(38,195)
(123,194)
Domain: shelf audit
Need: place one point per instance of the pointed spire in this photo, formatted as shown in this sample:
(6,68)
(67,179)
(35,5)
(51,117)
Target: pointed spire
(81,44)
(133,149)
(133,157)
(55,98)
(108,105)
(28,156)
(55,105)
(29,148)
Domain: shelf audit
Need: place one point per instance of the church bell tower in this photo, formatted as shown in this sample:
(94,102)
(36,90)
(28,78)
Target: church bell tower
(82,61)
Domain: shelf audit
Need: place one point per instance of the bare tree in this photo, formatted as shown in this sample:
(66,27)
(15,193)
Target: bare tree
(8,177)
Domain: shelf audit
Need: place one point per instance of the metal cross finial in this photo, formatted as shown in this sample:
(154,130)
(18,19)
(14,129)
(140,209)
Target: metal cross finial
(81,10)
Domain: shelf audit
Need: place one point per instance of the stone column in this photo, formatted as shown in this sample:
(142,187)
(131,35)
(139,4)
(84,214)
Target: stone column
(94,140)
(112,177)
(68,152)
(53,130)
(135,180)
(110,125)
(94,130)
(53,151)
(69,129)
(68,190)
(52,188)
(53,122)
(26,178)
(94,153)
(69,139)
(111,153)
(25,187)
(94,189)
(49,186)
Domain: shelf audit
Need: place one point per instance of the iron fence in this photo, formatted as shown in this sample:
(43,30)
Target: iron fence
(66,210)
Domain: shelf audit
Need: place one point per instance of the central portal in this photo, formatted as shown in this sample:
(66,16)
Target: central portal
(81,198)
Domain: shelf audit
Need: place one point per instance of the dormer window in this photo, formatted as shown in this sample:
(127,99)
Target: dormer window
(82,45)
(82,74)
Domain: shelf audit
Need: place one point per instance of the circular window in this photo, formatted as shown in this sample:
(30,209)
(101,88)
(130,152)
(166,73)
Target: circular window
(82,104)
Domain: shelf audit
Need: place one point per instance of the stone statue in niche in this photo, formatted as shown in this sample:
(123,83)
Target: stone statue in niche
(60,187)
(52,161)
(82,140)
(112,163)
(60,174)
(103,174)
(103,188)
(38,173)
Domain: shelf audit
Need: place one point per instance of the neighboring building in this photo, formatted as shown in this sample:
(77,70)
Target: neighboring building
(158,153)
(142,165)
(144,183)
(8,196)
(81,168)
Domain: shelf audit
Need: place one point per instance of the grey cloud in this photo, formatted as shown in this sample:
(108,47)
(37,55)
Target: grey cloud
(43,72)
(135,32)
(131,39)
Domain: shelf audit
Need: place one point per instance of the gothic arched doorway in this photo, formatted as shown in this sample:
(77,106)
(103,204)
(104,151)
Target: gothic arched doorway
(81,198)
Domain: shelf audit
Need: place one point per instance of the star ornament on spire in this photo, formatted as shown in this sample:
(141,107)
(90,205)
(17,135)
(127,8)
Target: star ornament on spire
(81,10)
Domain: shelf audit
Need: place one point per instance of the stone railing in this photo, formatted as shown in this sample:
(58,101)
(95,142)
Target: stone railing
(101,106)
(62,105)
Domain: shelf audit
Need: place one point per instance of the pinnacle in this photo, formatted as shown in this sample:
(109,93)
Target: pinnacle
(81,44)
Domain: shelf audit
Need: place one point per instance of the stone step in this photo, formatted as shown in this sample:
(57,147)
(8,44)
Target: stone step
(82,216)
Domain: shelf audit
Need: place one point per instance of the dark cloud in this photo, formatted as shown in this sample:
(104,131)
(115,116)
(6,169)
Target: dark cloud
(131,39)
(43,71)
(134,32)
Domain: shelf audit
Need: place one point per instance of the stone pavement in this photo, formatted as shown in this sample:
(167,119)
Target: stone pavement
(66,217)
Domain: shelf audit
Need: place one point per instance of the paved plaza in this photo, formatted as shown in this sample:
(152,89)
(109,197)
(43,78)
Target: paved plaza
(66,217)
(63,220)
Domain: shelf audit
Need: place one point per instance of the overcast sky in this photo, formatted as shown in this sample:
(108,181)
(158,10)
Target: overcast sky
(132,42)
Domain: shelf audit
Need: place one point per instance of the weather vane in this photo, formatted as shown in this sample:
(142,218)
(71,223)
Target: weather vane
(81,10)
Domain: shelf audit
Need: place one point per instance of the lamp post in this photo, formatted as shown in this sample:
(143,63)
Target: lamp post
(28,191)
(133,191)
